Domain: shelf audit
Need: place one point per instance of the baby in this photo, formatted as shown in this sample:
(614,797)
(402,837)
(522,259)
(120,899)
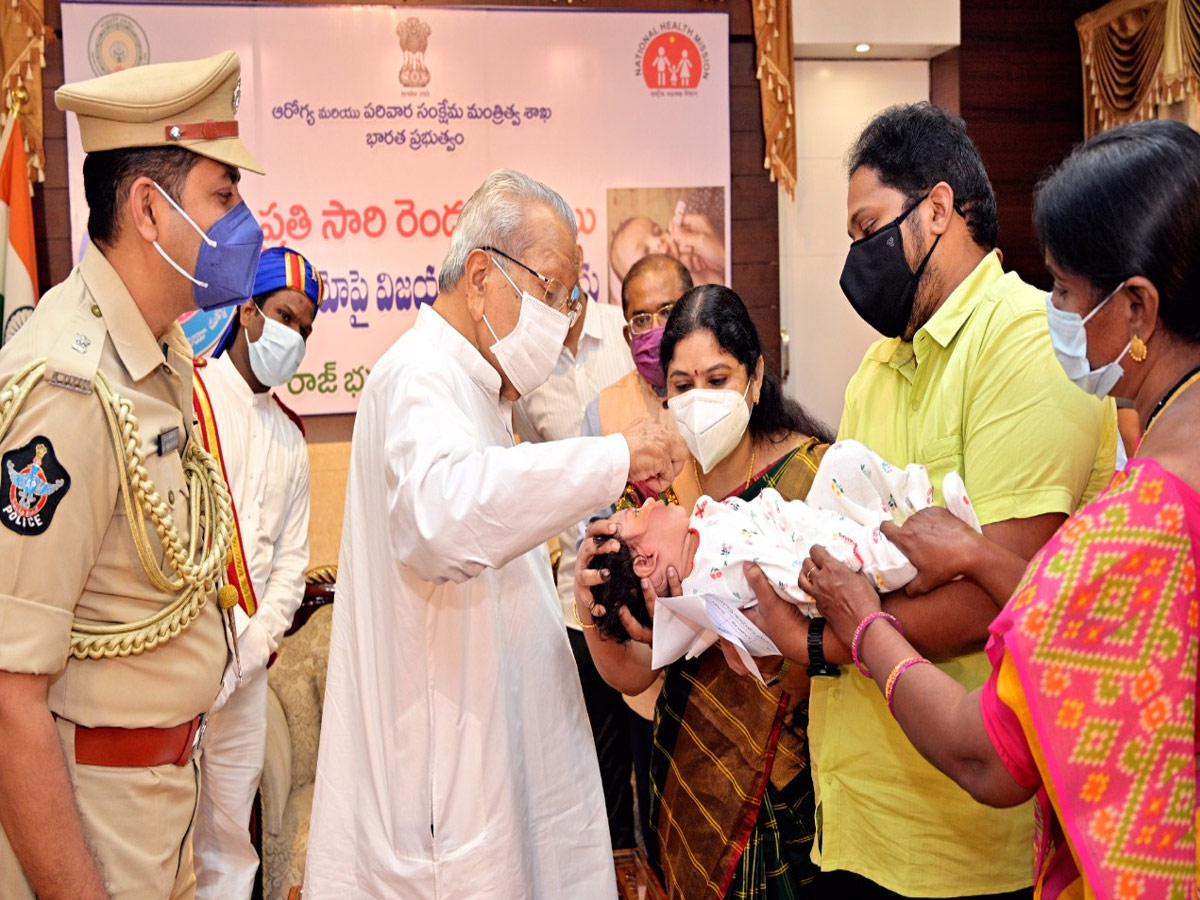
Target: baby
(853,492)
(695,237)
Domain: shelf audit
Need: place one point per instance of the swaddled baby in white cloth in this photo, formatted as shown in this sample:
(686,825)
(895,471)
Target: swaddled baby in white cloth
(854,491)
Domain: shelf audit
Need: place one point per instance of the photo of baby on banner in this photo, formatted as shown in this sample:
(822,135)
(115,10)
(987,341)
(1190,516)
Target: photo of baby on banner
(686,223)
(853,493)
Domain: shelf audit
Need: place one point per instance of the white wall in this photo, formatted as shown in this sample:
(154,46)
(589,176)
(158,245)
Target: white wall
(913,30)
(834,100)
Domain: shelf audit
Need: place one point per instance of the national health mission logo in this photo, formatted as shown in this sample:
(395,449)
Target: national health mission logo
(672,59)
(117,42)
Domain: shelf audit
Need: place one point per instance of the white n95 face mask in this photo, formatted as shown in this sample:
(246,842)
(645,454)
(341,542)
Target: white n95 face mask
(275,356)
(529,352)
(711,422)
(1069,339)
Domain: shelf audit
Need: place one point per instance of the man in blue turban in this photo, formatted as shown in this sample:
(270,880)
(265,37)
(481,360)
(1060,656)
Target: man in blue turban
(262,450)
(285,280)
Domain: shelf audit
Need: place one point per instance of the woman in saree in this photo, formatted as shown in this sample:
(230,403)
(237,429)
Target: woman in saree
(1092,701)
(731,794)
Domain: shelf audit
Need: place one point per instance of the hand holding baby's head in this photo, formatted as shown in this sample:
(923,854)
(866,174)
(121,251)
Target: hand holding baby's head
(652,538)
(623,588)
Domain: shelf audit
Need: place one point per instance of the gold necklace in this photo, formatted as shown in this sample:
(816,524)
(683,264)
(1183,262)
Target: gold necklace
(1170,397)
(749,475)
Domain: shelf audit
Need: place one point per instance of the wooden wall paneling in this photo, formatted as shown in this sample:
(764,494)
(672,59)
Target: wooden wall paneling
(1020,90)
(753,244)
(943,81)
(51,210)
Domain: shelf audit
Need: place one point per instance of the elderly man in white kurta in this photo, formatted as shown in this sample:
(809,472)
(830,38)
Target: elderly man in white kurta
(455,759)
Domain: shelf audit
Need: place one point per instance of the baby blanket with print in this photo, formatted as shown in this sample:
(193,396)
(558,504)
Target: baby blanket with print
(854,491)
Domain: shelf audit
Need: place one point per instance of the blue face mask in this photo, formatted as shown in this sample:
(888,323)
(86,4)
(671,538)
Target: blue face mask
(228,258)
(1069,338)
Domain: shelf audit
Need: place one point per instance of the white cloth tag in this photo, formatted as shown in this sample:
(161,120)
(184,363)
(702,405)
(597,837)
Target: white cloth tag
(691,623)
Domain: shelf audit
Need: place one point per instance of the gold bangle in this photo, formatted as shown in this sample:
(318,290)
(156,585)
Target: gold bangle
(889,690)
(578,621)
(778,676)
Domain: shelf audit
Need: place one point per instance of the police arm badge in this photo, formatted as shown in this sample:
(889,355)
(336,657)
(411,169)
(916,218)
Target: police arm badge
(32,484)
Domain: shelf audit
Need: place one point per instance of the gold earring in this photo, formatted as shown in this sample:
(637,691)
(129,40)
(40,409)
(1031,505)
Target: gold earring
(1137,349)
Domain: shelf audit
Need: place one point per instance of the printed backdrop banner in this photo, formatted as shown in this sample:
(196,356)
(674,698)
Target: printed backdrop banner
(375,124)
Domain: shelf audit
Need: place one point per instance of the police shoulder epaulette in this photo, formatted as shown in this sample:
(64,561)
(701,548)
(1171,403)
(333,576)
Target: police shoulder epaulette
(73,362)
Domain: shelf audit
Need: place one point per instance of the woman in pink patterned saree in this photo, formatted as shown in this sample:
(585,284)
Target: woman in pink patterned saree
(1092,701)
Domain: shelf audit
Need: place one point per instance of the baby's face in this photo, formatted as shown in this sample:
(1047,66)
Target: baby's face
(655,533)
(640,237)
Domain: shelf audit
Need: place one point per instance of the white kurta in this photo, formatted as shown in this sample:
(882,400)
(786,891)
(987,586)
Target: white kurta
(455,757)
(266,462)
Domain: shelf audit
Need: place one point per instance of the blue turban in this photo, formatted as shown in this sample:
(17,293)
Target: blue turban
(280,268)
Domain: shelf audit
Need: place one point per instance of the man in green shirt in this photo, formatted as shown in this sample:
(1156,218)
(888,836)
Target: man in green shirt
(965,379)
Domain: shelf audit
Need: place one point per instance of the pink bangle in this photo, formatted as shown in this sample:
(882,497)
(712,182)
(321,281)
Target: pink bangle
(901,667)
(862,627)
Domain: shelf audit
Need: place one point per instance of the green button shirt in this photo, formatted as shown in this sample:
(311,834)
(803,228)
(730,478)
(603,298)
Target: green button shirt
(978,391)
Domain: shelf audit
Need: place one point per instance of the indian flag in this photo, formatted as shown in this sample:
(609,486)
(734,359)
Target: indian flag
(18,262)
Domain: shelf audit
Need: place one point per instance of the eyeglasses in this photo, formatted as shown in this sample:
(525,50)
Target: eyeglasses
(557,296)
(643,322)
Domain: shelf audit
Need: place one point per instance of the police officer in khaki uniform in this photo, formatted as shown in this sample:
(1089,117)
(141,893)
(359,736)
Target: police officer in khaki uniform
(114,523)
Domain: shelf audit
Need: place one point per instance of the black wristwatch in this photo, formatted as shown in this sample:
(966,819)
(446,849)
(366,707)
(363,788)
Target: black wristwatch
(816,651)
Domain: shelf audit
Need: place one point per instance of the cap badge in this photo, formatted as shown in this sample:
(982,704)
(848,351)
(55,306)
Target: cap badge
(174,132)
(237,96)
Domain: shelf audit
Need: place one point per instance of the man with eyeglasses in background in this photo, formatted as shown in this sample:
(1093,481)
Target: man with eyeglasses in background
(624,726)
(648,293)
(455,760)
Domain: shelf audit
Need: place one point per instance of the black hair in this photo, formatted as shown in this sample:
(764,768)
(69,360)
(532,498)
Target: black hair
(912,147)
(623,588)
(653,261)
(1127,203)
(721,312)
(109,174)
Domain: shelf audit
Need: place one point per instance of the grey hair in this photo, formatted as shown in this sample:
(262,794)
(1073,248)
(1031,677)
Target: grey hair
(494,216)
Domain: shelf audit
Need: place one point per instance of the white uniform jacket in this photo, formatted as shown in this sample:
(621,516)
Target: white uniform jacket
(266,463)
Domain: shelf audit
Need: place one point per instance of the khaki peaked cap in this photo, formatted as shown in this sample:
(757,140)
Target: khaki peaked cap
(181,104)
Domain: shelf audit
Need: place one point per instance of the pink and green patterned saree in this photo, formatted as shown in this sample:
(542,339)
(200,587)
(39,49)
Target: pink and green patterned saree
(1092,700)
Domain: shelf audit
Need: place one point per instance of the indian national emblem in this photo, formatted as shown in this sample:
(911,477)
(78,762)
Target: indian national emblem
(414,39)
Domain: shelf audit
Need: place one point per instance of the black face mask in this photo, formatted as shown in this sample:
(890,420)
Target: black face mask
(877,280)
